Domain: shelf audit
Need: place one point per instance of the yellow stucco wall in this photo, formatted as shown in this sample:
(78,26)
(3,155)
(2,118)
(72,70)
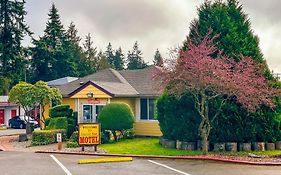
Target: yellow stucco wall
(90,88)
(69,101)
(147,129)
(130,101)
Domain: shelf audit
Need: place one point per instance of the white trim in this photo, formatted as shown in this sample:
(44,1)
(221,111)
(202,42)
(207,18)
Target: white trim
(78,111)
(137,108)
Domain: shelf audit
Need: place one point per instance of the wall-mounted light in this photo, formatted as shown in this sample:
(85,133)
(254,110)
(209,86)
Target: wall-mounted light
(90,95)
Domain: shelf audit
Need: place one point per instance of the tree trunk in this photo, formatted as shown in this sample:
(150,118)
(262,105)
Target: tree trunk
(205,126)
(114,135)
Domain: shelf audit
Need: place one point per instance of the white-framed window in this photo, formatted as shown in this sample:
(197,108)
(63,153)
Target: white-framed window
(87,113)
(91,112)
(147,109)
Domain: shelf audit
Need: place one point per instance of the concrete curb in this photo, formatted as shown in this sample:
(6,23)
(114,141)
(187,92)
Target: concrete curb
(167,157)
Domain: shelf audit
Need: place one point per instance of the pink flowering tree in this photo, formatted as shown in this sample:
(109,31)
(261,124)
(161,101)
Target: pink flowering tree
(204,72)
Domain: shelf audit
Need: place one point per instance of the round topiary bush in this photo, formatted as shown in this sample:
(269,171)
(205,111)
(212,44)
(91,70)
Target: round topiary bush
(116,117)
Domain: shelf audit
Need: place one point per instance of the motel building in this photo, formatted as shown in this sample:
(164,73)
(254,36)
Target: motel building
(8,110)
(88,95)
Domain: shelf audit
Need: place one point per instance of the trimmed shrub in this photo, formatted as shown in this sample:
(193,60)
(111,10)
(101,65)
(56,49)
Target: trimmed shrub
(60,111)
(58,123)
(116,117)
(105,136)
(45,137)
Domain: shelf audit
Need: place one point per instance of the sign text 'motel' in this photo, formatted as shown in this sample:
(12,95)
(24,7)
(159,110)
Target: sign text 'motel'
(89,134)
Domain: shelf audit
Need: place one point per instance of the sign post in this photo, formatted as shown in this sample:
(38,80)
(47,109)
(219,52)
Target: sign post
(59,140)
(89,135)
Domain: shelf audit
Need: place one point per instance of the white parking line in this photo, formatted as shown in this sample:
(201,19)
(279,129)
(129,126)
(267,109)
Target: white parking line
(61,165)
(178,171)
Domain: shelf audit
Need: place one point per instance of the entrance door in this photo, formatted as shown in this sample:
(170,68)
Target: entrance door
(2,116)
(13,113)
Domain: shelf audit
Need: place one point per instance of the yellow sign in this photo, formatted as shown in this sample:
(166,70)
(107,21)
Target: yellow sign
(89,134)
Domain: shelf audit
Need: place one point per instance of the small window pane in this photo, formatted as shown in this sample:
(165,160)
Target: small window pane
(143,111)
(87,113)
(151,109)
(98,110)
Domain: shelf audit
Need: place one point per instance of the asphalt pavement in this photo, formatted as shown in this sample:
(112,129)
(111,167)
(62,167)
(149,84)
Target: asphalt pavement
(8,132)
(20,163)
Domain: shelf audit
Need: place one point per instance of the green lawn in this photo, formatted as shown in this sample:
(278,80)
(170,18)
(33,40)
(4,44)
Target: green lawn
(151,146)
(144,146)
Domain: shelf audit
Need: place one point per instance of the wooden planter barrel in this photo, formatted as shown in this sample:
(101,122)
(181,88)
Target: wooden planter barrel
(245,147)
(259,146)
(270,146)
(278,145)
(219,147)
(231,146)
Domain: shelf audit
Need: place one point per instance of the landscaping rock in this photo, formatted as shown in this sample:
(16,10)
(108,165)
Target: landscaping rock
(219,147)
(189,146)
(245,147)
(23,137)
(231,146)
(169,143)
(278,145)
(270,146)
(259,146)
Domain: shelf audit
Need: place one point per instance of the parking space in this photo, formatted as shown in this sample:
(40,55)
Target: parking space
(19,163)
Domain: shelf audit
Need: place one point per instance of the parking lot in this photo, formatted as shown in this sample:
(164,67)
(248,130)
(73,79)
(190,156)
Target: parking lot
(19,163)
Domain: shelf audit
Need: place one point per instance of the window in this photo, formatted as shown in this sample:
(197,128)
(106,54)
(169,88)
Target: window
(98,110)
(147,109)
(87,113)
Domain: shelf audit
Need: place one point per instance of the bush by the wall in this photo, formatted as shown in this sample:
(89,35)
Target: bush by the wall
(47,121)
(116,117)
(58,123)
(45,137)
(73,140)
(177,118)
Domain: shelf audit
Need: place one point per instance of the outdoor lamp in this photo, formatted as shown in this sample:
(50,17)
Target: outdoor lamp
(90,95)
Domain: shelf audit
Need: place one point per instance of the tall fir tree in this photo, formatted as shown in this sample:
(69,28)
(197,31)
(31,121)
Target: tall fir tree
(158,59)
(119,59)
(109,55)
(134,58)
(229,21)
(51,57)
(103,63)
(89,63)
(13,28)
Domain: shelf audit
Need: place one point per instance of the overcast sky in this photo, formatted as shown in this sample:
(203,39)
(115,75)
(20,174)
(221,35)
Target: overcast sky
(154,24)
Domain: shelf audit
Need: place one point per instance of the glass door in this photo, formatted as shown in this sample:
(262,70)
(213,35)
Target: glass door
(87,113)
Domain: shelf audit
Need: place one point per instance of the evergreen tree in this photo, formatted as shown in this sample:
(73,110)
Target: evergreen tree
(158,60)
(229,21)
(13,28)
(109,55)
(119,59)
(102,64)
(51,56)
(89,63)
(134,58)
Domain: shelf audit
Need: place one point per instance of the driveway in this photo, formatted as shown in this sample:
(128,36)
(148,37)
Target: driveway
(19,163)
(8,132)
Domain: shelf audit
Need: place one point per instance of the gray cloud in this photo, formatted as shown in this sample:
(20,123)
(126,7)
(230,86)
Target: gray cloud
(154,23)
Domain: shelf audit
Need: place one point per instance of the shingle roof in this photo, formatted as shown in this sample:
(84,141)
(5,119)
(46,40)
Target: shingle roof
(123,83)
(61,81)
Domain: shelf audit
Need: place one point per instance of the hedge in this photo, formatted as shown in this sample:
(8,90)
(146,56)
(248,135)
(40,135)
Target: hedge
(45,137)
(179,120)
(60,111)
